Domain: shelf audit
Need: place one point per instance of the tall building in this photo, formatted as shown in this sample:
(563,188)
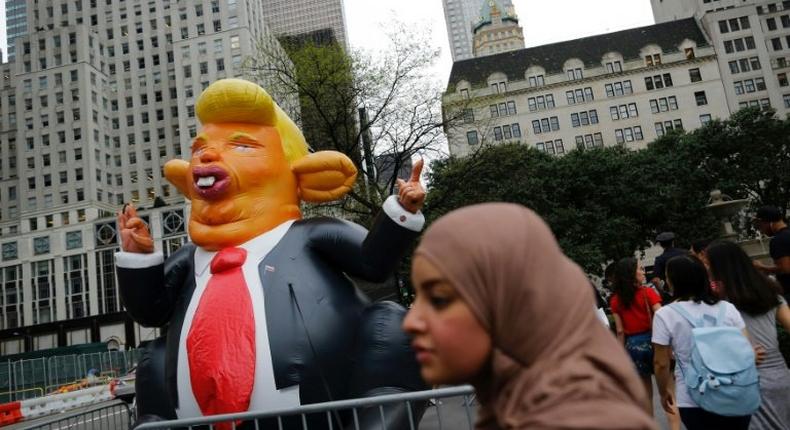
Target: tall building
(16,23)
(460,17)
(99,96)
(622,88)
(299,17)
(752,42)
(496,31)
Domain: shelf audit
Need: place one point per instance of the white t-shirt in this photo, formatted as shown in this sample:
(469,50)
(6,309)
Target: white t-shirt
(670,328)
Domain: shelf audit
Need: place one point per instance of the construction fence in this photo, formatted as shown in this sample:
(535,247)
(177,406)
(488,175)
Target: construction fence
(26,379)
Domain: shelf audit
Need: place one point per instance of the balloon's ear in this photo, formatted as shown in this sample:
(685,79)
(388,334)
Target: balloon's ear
(177,172)
(324,176)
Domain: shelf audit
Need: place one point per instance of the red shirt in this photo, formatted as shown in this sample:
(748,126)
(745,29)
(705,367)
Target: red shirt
(635,318)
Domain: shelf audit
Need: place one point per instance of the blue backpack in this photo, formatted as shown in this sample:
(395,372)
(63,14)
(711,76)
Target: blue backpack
(721,377)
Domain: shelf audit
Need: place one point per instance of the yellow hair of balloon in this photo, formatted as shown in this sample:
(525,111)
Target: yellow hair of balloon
(240,101)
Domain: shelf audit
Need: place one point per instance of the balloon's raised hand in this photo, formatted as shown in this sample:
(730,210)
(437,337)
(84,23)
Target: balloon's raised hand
(135,236)
(411,194)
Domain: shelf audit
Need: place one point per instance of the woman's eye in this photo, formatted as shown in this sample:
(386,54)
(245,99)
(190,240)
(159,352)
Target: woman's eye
(439,302)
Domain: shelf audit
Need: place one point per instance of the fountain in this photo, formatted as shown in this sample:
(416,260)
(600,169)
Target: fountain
(723,208)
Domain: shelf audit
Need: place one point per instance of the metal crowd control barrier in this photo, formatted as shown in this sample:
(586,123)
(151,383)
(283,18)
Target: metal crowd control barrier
(116,416)
(451,408)
(20,380)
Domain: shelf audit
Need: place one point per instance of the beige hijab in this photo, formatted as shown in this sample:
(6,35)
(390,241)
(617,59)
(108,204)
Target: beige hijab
(554,365)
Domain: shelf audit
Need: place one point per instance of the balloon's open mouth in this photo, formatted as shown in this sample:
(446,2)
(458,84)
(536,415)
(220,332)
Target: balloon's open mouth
(210,182)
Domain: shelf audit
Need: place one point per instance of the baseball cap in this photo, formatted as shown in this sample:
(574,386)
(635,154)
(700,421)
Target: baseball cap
(665,236)
(769,214)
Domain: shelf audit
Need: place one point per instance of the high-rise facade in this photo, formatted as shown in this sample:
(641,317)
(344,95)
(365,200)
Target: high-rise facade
(624,88)
(100,95)
(752,42)
(16,23)
(460,17)
(299,17)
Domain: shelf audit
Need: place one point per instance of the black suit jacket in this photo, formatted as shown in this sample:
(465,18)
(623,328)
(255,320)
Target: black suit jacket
(314,314)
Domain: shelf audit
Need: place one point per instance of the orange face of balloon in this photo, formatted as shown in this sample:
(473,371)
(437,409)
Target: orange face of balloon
(240,184)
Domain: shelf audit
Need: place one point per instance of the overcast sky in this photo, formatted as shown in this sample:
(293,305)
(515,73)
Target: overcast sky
(543,21)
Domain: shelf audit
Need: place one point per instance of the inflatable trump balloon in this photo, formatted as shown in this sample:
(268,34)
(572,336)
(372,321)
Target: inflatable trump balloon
(258,311)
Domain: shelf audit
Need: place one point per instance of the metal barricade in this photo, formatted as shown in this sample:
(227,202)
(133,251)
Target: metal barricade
(115,416)
(449,408)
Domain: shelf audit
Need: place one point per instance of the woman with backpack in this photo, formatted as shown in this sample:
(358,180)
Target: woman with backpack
(676,331)
(761,306)
(633,305)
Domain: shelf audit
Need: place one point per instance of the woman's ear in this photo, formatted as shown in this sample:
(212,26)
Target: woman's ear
(324,176)
(177,172)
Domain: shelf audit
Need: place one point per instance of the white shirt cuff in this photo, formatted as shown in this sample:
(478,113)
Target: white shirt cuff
(134,260)
(402,217)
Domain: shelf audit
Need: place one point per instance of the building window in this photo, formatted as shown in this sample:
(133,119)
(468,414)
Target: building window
(695,75)
(516,130)
(546,125)
(73,239)
(704,119)
(553,147)
(658,81)
(536,81)
(540,102)
(628,134)
(579,95)
(471,138)
(588,141)
(9,251)
(617,89)
(652,60)
(614,67)
(782,78)
(574,74)
(40,245)
(700,97)
(469,116)
(623,111)
(689,53)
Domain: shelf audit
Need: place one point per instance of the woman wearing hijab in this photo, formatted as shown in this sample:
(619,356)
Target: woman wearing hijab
(499,306)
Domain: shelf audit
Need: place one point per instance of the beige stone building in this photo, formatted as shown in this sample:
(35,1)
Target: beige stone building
(497,30)
(752,43)
(623,88)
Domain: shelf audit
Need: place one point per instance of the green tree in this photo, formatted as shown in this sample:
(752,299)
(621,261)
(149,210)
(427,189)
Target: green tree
(401,104)
(603,204)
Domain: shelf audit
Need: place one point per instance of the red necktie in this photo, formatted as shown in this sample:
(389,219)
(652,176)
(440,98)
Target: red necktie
(221,341)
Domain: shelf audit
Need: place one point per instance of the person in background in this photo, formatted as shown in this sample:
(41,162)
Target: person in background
(761,306)
(499,306)
(698,248)
(633,305)
(667,242)
(770,221)
(688,278)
